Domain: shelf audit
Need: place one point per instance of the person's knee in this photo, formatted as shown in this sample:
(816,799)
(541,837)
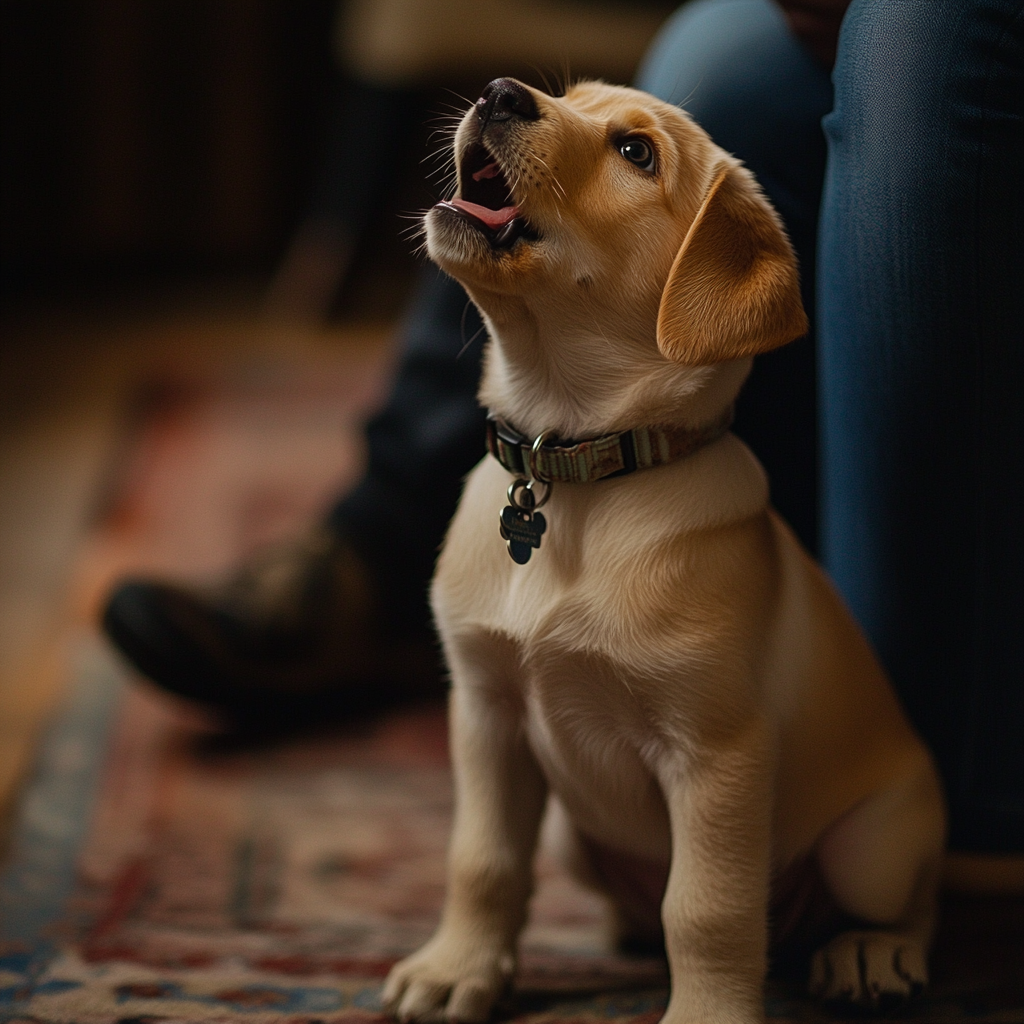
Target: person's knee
(910,74)
(736,68)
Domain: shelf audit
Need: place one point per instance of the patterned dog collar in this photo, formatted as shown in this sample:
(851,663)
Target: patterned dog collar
(600,458)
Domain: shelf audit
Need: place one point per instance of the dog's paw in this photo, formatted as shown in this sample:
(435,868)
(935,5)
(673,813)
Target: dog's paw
(447,981)
(870,969)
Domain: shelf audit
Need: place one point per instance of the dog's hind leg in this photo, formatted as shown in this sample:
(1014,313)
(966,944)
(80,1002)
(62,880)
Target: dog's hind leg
(881,861)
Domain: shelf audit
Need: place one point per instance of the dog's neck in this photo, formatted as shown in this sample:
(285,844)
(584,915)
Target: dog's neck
(581,370)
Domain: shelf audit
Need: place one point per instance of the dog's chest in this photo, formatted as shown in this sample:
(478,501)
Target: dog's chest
(581,637)
(596,745)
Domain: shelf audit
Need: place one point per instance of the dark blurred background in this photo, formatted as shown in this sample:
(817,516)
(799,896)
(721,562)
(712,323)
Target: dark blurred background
(156,138)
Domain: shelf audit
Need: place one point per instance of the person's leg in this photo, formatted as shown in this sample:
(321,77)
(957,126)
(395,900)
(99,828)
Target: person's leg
(921,341)
(424,441)
(735,67)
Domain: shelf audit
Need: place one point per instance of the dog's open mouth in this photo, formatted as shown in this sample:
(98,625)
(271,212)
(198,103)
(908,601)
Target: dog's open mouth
(486,200)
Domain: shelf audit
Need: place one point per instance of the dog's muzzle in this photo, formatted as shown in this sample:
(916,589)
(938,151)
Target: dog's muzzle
(485,199)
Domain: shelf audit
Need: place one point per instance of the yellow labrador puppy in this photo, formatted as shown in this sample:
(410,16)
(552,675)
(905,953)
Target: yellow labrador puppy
(659,656)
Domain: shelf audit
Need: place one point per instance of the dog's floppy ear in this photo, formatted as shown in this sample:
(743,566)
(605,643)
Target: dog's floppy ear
(734,289)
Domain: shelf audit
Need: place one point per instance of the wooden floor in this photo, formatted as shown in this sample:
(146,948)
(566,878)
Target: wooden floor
(70,386)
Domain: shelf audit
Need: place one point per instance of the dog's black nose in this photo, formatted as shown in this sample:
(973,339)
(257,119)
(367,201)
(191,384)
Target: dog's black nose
(503,99)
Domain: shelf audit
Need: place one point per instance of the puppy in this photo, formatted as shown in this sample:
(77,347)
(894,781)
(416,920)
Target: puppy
(660,658)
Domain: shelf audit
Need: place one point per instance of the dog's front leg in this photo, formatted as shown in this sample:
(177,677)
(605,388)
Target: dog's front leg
(499,799)
(715,908)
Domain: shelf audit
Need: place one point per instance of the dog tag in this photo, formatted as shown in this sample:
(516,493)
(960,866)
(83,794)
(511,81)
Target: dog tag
(522,527)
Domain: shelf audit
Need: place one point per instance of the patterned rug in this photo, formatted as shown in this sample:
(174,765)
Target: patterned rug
(162,874)
(159,872)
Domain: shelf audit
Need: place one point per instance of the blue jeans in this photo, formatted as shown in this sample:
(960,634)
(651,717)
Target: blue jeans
(900,183)
(896,429)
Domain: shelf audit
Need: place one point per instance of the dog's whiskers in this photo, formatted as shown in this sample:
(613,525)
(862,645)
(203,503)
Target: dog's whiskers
(442,174)
(543,76)
(447,122)
(455,116)
(476,334)
(555,183)
(459,96)
(444,150)
(415,229)
(445,145)
(421,249)
(448,189)
(451,114)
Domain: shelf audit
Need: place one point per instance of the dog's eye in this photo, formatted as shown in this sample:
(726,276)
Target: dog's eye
(639,152)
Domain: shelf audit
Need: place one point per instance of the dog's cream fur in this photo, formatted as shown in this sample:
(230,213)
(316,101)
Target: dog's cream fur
(670,668)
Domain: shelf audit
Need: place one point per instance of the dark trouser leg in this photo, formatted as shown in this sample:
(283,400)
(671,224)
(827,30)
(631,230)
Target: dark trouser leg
(921,340)
(421,445)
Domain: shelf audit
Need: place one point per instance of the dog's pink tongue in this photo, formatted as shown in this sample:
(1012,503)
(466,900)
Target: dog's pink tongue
(492,218)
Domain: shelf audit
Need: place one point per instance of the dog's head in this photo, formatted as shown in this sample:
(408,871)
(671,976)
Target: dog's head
(609,195)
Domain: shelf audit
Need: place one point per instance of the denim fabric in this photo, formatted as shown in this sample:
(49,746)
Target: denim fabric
(921,345)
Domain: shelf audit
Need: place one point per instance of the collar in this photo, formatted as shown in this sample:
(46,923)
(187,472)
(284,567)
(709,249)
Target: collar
(598,458)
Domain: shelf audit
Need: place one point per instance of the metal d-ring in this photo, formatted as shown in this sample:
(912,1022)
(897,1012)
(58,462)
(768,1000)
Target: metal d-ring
(538,443)
(519,484)
(536,475)
(540,502)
